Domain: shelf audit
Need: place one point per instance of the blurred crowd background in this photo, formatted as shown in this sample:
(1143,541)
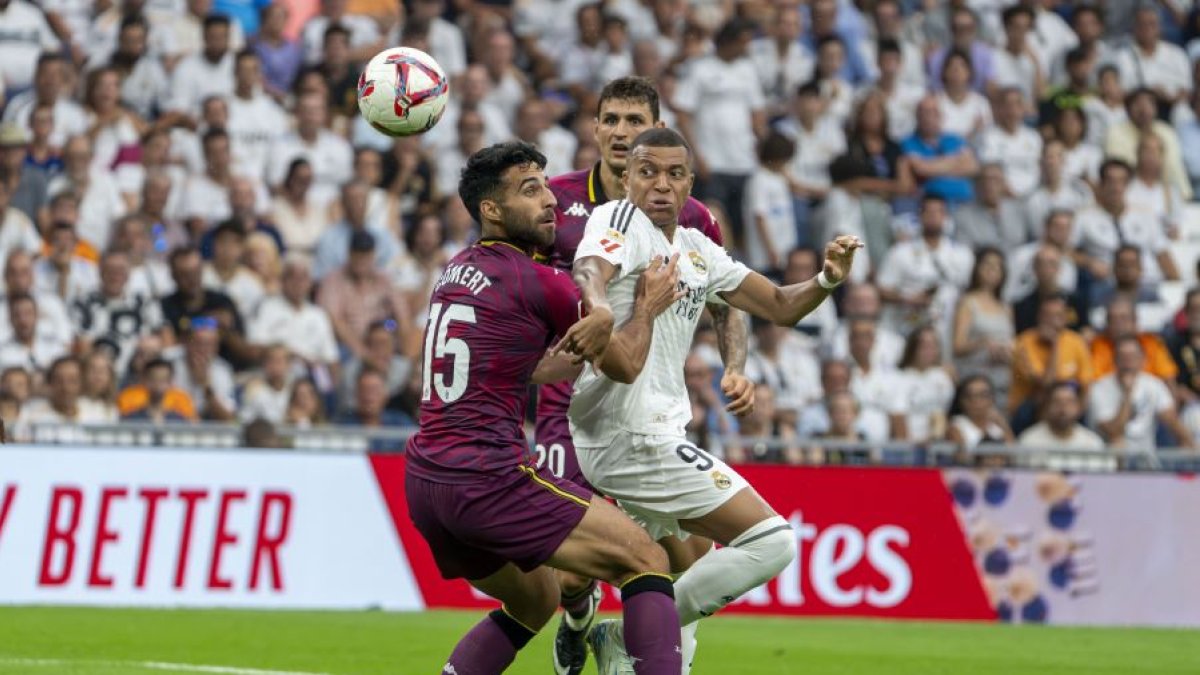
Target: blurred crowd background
(195,224)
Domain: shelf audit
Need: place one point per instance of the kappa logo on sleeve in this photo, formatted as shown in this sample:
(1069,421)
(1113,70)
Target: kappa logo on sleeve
(578,210)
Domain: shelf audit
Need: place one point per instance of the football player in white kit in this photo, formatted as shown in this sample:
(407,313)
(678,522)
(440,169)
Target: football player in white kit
(630,437)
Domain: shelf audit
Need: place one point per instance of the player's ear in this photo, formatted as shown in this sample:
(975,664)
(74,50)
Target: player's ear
(490,209)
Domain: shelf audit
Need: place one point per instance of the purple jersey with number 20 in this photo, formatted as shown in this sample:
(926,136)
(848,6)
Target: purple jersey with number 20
(492,315)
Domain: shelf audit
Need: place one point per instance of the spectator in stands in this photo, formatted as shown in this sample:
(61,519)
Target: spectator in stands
(1128,282)
(1152,63)
(300,218)
(155,399)
(16,381)
(1128,405)
(99,197)
(330,156)
(49,88)
(836,92)
(1087,22)
(921,278)
(264,262)
(1148,190)
(1121,322)
(710,422)
(208,73)
(1018,65)
(149,276)
(473,94)
(243,214)
(63,273)
(371,409)
(769,439)
(1047,264)
(365,38)
(1060,427)
(1058,190)
(100,382)
(26,187)
(291,319)
(1121,140)
(157,208)
(994,220)
(782,63)
(113,314)
(255,119)
(333,245)
(1189,141)
(206,196)
(380,346)
(871,144)
(1010,143)
(192,300)
(419,267)
(266,396)
(53,320)
(888,25)
(383,207)
(845,442)
(358,294)
(1113,222)
(1071,84)
(942,163)
(33,38)
(409,175)
(862,301)
(202,373)
(1056,234)
(63,404)
(226,273)
(536,125)
(509,85)
(974,416)
(17,231)
(40,154)
(983,324)
(770,218)
(723,123)
(787,364)
(281,56)
(305,409)
(26,346)
(340,73)
(115,130)
(821,323)
(828,20)
(260,433)
(874,387)
(929,386)
(471,129)
(819,139)
(1045,354)
(964,37)
(894,85)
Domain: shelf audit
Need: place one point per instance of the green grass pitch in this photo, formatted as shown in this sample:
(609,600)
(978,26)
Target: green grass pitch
(85,641)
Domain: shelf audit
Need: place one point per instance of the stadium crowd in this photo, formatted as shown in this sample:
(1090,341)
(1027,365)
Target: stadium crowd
(196,224)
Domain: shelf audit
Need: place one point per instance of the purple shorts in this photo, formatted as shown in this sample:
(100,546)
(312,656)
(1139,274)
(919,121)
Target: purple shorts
(556,451)
(475,528)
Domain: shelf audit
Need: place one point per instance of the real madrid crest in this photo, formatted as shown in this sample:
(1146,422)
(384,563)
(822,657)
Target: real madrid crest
(721,480)
(697,261)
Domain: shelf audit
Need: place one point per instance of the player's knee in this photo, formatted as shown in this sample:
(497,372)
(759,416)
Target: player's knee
(771,545)
(573,584)
(537,604)
(648,556)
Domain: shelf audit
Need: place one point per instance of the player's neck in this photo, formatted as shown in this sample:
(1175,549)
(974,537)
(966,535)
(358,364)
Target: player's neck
(611,181)
(669,231)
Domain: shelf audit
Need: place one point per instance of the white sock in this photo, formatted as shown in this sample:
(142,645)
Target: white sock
(688,643)
(723,575)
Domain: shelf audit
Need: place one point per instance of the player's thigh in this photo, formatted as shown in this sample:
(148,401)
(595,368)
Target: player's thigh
(607,545)
(683,553)
(529,597)
(743,510)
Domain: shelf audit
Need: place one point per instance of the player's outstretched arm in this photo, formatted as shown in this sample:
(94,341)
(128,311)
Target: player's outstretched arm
(657,289)
(786,305)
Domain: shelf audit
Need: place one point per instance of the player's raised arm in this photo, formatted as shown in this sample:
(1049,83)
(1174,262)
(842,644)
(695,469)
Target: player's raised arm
(786,305)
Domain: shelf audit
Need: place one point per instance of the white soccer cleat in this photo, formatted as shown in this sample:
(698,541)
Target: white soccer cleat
(607,640)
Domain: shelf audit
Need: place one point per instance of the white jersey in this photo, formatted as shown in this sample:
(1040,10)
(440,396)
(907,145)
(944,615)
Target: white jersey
(656,403)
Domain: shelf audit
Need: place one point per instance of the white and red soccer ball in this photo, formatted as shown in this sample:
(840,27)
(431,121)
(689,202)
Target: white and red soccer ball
(402,92)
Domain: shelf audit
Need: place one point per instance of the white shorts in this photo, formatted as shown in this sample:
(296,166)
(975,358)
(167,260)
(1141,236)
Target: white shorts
(660,480)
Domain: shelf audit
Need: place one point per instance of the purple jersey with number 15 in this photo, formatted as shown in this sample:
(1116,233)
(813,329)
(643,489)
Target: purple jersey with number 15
(492,315)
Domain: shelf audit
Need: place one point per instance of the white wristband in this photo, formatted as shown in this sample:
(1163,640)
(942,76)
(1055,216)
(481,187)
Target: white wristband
(824,282)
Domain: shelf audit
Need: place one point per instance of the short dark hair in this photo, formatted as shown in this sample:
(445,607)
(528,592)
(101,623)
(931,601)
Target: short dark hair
(731,31)
(62,362)
(830,39)
(20,297)
(132,20)
(1140,92)
(1077,55)
(632,88)
(932,197)
(1112,163)
(483,175)
(245,53)
(213,134)
(1095,10)
(158,362)
(776,147)
(660,137)
(228,227)
(216,20)
(1128,248)
(1012,12)
(888,45)
(335,29)
(810,88)
(180,253)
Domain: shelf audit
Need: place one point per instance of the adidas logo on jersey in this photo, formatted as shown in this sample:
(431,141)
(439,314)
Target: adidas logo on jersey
(577,210)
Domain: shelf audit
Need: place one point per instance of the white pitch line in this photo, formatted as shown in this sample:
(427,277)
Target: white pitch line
(152,665)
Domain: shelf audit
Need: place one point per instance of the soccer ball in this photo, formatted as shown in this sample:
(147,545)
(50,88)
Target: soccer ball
(402,92)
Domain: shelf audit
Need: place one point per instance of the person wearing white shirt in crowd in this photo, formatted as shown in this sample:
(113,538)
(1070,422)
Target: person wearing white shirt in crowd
(862,301)
(1017,62)
(62,272)
(787,363)
(205,376)
(974,417)
(205,197)
(1051,38)
(929,386)
(332,249)
(888,25)
(819,139)
(255,119)
(99,198)
(49,88)
(208,73)
(451,161)
(721,111)
(1060,427)
(1150,62)
(1087,28)
(27,345)
(1148,190)
(837,93)
(782,63)
(17,232)
(26,36)
(900,98)
(584,60)
(177,34)
(1057,191)
(1013,145)
(509,85)
(920,279)
(965,112)
(535,125)
(1128,405)
(136,236)
(292,320)
(330,156)
(63,407)
(114,313)
(266,396)
(144,82)
(1112,222)
(995,219)
(365,39)
(770,217)
(1122,140)
(879,391)
(1022,261)
(156,159)
(820,324)
(226,273)
(446,44)
(472,94)
(301,219)
(53,322)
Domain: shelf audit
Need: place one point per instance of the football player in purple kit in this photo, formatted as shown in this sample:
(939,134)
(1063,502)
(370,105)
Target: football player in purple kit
(488,514)
(627,106)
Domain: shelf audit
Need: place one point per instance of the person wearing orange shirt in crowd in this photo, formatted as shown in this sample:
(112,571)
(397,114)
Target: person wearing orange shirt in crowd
(155,399)
(1044,354)
(1122,322)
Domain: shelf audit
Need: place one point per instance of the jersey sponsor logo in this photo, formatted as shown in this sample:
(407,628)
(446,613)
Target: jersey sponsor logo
(578,210)
(697,262)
